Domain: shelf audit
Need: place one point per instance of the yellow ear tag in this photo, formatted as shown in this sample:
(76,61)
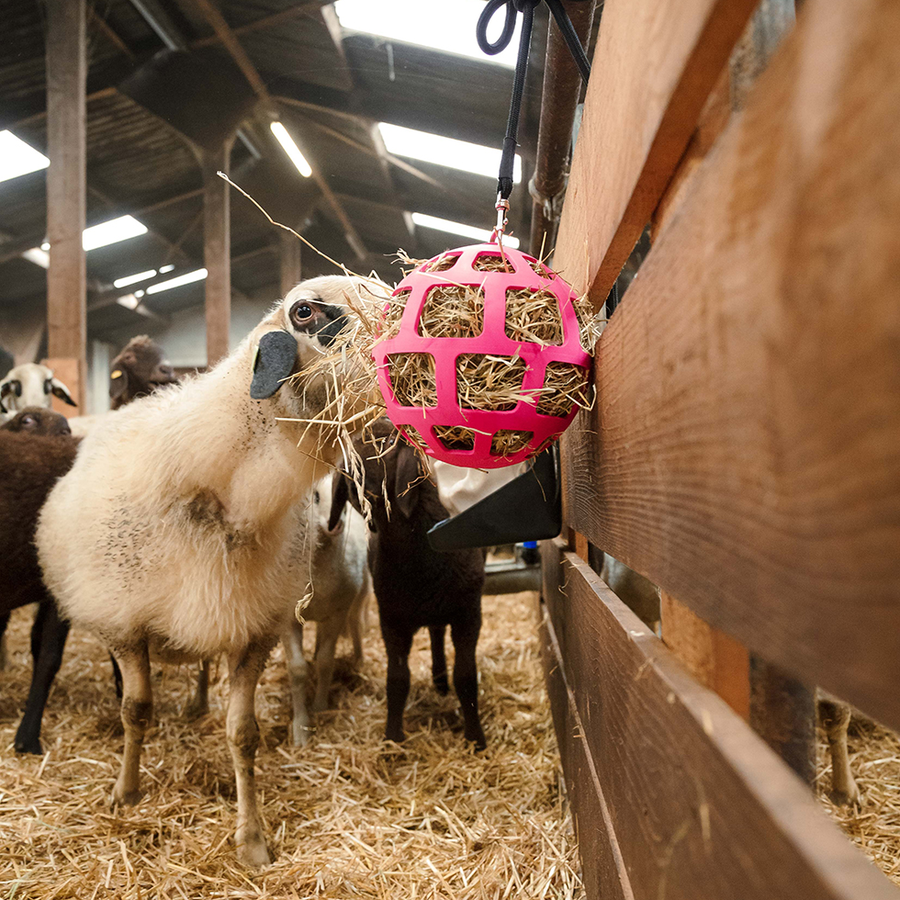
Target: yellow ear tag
(116,374)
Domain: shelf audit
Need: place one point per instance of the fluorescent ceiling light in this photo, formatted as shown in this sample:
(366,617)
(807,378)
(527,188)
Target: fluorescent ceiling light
(445,151)
(38,257)
(129,301)
(292,150)
(478,234)
(452,30)
(178,281)
(111,232)
(134,279)
(45,246)
(164,269)
(18,158)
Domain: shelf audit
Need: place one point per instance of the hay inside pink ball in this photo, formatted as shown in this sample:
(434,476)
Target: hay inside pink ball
(480,360)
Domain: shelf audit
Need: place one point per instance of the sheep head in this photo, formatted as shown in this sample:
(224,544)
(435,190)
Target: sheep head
(138,370)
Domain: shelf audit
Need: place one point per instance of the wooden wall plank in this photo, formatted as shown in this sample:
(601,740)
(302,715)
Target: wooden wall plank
(745,448)
(700,807)
(638,119)
(217,251)
(603,870)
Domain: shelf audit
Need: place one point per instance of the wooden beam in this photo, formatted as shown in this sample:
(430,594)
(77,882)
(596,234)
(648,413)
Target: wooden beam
(652,109)
(310,7)
(66,189)
(109,33)
(697,805)
(745,445)
(217,252)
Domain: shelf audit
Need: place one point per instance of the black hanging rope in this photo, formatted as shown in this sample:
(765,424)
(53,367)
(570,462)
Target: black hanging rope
(526,7)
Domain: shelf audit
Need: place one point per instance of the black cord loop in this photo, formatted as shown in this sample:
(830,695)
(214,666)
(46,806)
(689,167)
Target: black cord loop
(526,7)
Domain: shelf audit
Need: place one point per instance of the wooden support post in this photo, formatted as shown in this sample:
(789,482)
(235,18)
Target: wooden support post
(783,714)
(290,261)
(217,251)
(66,191)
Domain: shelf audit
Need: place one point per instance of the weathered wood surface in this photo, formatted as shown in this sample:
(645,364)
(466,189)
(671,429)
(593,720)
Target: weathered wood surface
(603,870)
(653,67)
(217,252)
(700,807)
(745,449)
(67,185)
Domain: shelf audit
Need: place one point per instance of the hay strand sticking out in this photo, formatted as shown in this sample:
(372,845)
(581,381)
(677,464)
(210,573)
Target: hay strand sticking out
(452,310)
(455,437)
(442,263)
(565,386)
(506,442)
(395,306)
(491,262)
(533,315)
(413,378)
(484,381)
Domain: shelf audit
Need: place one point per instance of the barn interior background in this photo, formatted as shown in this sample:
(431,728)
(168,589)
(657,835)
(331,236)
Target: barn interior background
(744,450)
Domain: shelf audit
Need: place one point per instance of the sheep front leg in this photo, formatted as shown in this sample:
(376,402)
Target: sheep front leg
(835,720)
(292,640)
(243,739)
(438,659)
(397,644)
(465,677)
(137,712)
(327,634)
(198,706)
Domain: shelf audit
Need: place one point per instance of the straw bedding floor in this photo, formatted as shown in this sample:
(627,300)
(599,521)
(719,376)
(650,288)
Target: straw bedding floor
(875,762)
(346,817)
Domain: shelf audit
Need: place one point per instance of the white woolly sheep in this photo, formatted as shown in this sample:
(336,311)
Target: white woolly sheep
(340,583)
(30,384)
(174,531)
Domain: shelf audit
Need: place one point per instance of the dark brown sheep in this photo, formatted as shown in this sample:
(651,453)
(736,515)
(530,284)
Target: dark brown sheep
(35,451)
(138,371)
(416,586)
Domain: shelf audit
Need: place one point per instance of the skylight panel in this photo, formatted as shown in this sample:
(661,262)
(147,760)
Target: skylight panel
(448,27)
(111,232)
(134,279)
(444,151)
(18,158)
(469,231)
(177,281)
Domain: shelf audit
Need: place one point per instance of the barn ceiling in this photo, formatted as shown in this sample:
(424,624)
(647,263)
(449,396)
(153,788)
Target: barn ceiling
(166,77)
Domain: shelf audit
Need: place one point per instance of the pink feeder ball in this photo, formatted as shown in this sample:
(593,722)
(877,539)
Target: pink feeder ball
(521,420)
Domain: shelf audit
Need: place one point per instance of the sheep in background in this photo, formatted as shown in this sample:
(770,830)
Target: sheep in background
(339,581)
(172,533)
(138,370)
(31,384)
(415,586)
(35,451)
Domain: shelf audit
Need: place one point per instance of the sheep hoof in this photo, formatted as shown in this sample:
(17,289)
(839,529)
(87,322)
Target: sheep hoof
(476,736)
(441,685)
(121,797)
(28,745)
(851,797)
(253,853)
(300,734)
(196,710)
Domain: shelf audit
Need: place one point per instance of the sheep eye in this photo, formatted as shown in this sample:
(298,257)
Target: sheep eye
(301,313)
(29,420)
(48,386)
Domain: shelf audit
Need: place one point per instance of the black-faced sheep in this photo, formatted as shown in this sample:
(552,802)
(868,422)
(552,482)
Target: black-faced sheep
(415,586)
(35,451)
(172,533)
(30,384)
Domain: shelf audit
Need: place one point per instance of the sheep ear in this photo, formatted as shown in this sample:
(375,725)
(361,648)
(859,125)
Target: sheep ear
(118,383)
(340,494)
(61,391)
(275,357)
(407,474)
